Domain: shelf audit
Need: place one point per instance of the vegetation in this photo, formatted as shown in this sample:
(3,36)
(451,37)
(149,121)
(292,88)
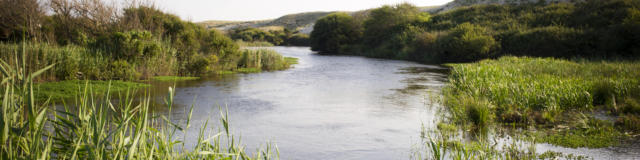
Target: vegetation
(97,128)
(274,37)
(137,42)
(69,89)
(263,59)
(449,145)
(587,29)
(335,33)
(550,93)
(174,78)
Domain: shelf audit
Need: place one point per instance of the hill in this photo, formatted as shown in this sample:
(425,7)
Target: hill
(461,3)
(303,22)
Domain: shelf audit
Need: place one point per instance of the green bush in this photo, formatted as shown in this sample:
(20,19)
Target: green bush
(122,70)
(198,65)
(129,45)
(334,32)
(467,42)
(67,68)
(552,41)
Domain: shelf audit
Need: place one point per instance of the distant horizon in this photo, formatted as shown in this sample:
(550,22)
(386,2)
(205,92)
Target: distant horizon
(251,10)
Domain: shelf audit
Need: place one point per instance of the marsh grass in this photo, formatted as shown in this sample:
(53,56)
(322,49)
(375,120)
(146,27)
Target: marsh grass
(242,43)
(174,78)
(546,92)
(61,90)
(264,59)
(95,127)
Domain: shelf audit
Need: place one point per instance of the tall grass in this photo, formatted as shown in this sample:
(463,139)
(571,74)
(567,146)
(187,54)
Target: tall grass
(555,95)
(264,59)
(547,85)
(97,128)
(77,62)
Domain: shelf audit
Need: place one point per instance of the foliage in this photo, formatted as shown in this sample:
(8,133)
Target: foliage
(467,42)
(97,128)
(334,33)
(276,37)
(89,40)
(66,90)
(588,29)
(547,92)
(174,78)
(263,59)
(129,45)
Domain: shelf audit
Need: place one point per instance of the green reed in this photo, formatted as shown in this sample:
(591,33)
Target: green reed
(95,127)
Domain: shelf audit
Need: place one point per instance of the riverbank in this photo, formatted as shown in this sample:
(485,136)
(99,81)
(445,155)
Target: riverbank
(76,67)
(97,128)
(568,103)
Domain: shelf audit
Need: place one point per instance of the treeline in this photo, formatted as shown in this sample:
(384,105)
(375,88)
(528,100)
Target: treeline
(284,37)
(96,40)
(593,29)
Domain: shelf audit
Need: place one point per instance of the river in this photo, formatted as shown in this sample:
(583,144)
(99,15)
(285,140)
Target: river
(328,107)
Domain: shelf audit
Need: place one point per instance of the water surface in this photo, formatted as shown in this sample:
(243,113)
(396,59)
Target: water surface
(331,107)
(326,107)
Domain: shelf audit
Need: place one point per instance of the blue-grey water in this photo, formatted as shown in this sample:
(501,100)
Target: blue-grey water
(329,107)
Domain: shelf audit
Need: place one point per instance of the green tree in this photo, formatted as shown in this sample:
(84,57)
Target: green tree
(467,42)
(334,33)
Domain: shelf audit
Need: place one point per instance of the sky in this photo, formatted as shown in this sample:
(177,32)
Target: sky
(242,10)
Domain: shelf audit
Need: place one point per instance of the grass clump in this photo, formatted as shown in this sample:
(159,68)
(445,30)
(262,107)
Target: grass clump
(263,59)
(469,109)
(174,78)
(71,88)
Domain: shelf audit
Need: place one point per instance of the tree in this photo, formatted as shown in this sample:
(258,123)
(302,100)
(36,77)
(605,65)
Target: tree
(334,33)
(385,21)
(467,42)
(23,17)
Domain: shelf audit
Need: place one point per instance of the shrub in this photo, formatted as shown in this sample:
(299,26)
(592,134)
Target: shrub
(552,41)
(426,48)
(198,65)
(122,70)
(467,42)
(334,32)
(129,45)
(67,67)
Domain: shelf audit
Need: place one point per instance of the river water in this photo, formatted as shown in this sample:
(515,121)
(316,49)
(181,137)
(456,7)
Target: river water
(327,107)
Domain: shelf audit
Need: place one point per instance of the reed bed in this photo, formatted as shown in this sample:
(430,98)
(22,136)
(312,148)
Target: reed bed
(264,59)
(96,127)
(512,86)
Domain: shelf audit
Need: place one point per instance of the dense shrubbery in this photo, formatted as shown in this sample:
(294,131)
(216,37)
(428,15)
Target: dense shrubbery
(276,37)
(599,29)
(90,40)
(335,33)
(466,42)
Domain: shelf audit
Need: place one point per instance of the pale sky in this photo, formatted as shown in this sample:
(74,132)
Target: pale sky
(201,10)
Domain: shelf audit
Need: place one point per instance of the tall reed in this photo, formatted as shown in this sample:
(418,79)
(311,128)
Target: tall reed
(99,128)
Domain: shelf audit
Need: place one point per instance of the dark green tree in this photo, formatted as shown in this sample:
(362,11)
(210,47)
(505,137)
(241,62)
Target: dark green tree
(334,33)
